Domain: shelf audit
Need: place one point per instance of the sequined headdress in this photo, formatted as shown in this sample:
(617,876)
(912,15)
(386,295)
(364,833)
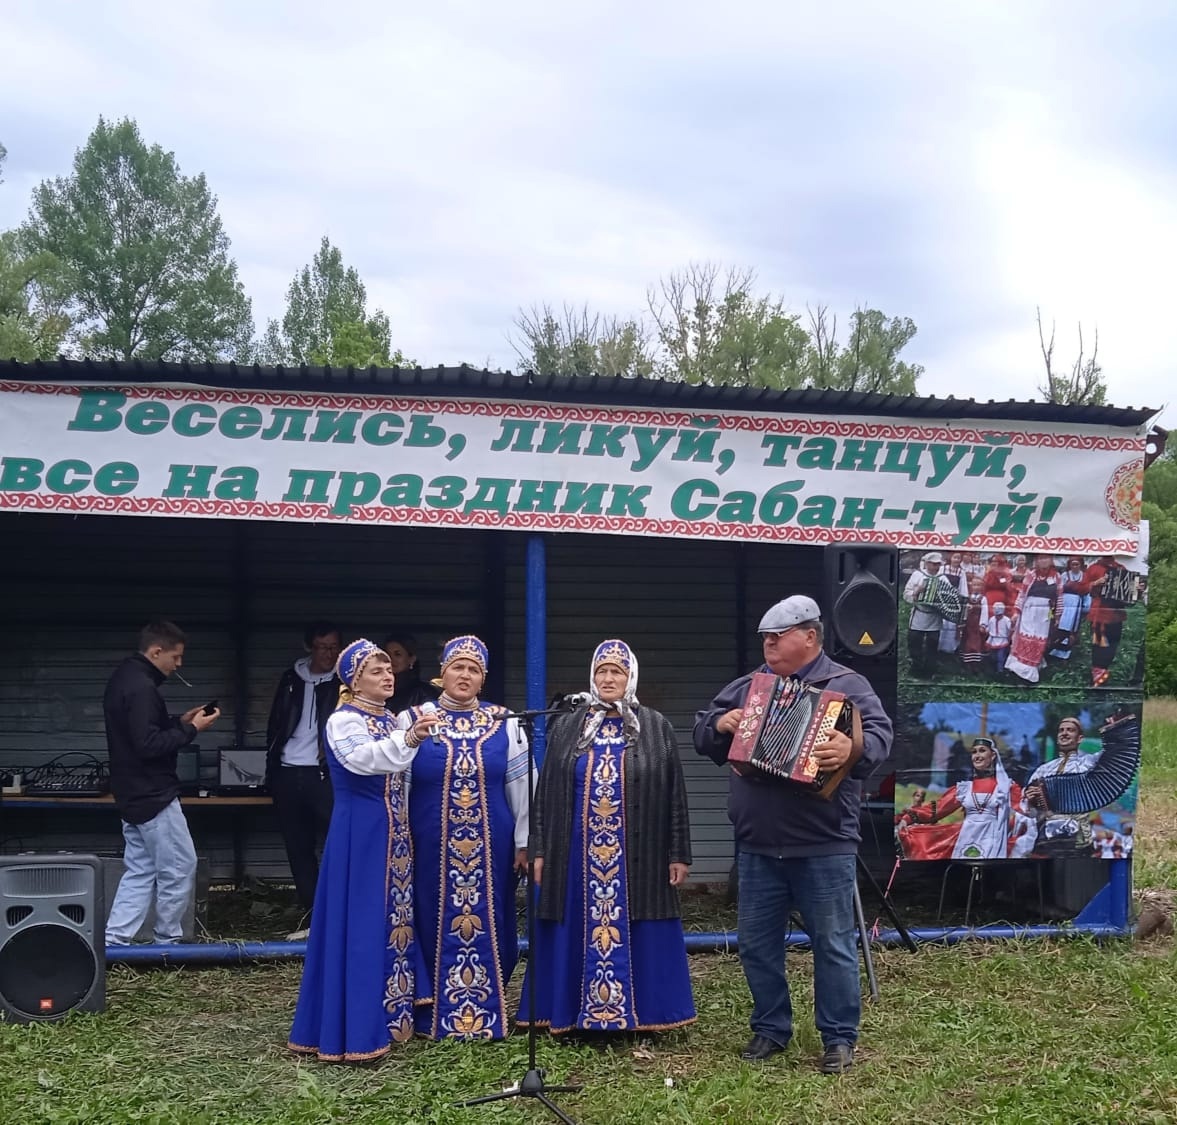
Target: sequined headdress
(613,652)
(351,663)
(620,654)
(465,647)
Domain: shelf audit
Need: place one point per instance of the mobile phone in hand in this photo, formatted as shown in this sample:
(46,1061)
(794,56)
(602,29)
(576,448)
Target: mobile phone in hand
(210,707)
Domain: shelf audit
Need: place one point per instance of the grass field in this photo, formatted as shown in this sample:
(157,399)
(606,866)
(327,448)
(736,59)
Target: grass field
(1064,1031)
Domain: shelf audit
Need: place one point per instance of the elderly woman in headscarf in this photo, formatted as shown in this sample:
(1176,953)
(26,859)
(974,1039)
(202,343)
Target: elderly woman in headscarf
(468,813)
(363,966)
(611,846)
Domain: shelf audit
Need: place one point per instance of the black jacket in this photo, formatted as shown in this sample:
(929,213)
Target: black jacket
(285,712)
(143,741)
(411,691)
(658,831)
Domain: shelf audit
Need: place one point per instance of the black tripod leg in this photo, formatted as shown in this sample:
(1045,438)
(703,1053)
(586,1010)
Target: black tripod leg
(555,1108)
(864,941)
(532,1084)
(502,1096)
(888,907)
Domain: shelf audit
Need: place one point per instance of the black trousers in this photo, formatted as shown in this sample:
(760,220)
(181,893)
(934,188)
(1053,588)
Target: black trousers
(302,800)
(923,647)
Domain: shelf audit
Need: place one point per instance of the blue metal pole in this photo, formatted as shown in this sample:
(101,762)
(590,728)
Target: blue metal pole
(238,952)
(537,638)
(1120,882)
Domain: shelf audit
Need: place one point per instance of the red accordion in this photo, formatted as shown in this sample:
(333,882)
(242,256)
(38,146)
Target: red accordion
(784,720)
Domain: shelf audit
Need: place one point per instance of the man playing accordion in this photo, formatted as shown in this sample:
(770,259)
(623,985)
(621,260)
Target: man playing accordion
(797,852)
(933,598)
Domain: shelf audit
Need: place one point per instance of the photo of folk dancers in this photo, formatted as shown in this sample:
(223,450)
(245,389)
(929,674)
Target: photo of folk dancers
(1022,620)
(1016,780)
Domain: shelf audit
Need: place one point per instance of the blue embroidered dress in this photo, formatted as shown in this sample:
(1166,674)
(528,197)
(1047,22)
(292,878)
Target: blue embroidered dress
(468,812)
(599,969)
(363,960)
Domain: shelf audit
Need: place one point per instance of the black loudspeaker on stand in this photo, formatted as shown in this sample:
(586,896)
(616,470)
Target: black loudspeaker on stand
(52,937)
(532,1084)
(861,599)
(861,608)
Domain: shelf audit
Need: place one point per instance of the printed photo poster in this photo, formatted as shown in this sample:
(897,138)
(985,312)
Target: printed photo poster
(1040,779)
(997,624)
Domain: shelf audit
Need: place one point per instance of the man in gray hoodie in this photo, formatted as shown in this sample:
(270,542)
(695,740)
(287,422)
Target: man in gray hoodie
(296,774)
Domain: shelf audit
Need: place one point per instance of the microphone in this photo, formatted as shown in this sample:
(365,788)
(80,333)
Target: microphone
(533,713)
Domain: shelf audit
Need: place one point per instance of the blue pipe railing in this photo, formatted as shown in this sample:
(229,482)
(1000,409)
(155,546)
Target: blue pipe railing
(717,941)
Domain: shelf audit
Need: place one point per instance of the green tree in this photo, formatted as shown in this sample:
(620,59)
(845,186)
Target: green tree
(29,329)
(714,328)
(326,321)
(869,360)
(143,266)
(1160,509)
(578,342)
(1083,384)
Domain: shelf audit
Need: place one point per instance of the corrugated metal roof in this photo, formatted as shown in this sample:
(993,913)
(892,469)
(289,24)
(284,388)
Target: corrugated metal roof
(596,390)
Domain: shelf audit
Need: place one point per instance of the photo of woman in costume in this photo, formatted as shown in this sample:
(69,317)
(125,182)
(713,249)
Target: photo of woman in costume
(468,813)
(363,964)
(988,801)
(611,844)
(1037,608)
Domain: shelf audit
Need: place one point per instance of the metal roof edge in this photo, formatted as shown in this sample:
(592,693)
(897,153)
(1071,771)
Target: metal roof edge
(596,390)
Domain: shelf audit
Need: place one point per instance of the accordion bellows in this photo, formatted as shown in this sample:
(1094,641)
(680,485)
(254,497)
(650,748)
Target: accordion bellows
(784,720)
(1107,780)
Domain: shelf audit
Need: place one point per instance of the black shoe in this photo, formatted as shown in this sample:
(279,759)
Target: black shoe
(836,1058)
(759,1048)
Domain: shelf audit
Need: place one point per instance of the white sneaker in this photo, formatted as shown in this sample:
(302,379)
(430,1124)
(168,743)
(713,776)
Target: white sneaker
(299,935)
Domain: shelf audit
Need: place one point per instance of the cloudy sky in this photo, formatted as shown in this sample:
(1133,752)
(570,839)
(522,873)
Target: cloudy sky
(957,163)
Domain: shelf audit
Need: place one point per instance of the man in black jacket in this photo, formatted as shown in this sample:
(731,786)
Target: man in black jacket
(797,852)
(143,740)
(296,774)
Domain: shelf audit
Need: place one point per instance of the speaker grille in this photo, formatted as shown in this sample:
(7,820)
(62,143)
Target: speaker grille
(14,915)
(74,911)
(44,880)
(864,617)
(45,971)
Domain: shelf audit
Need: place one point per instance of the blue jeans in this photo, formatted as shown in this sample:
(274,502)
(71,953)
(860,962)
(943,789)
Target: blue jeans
(159,861)
(821,890)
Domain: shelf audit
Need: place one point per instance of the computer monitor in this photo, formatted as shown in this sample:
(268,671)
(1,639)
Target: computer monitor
(243,770)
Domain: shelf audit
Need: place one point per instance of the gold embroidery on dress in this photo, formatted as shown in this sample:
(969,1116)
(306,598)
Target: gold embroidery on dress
(605,997)
(467,883)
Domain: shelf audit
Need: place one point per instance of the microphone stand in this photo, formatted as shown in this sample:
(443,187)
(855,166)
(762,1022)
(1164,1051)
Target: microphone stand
(532,1084)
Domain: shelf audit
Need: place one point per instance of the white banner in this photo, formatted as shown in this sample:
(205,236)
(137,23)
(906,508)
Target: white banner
(181,451)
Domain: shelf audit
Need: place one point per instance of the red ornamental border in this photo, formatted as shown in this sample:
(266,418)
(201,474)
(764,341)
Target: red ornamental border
(785,424)
(538,521)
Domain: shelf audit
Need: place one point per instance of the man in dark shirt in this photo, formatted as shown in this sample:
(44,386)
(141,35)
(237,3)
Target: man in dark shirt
(797,852)
(143,740)
(296,774)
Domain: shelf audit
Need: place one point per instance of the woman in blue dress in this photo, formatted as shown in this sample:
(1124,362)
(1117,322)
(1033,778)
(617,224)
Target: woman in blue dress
(468,813)
(611,844)
(363,963)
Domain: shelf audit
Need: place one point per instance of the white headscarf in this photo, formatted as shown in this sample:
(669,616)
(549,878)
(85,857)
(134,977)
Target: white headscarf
(618,653)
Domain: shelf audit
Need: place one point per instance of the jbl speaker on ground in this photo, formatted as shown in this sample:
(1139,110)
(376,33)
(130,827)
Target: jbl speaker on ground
(52,937)
(861,599)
